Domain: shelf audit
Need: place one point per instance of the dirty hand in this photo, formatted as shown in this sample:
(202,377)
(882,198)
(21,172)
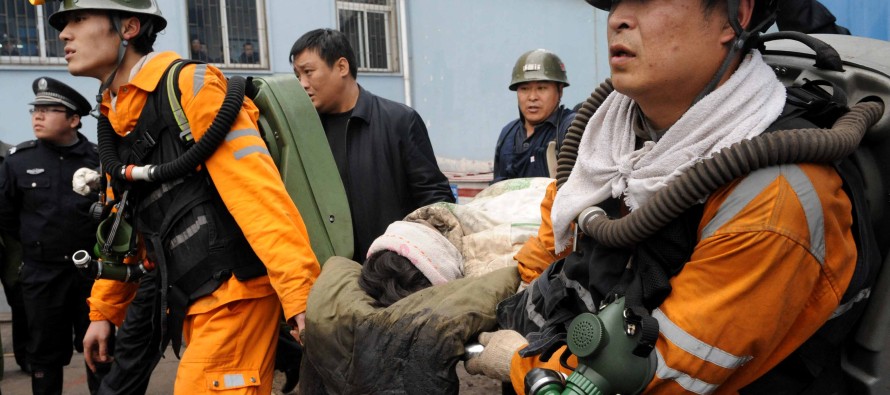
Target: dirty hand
(85,180)
(95,343)
(297,331)
(494,361)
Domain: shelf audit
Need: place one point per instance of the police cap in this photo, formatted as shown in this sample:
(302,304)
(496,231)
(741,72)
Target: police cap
(50,92)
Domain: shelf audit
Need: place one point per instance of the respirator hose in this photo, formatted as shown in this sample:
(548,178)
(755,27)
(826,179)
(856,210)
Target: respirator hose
(196,155)
(737,160)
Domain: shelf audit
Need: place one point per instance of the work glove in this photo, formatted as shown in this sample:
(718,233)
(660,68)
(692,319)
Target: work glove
(85,181)
(494,360)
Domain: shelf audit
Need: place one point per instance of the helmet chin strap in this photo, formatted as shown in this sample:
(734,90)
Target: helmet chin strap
(742,37)
(121,51)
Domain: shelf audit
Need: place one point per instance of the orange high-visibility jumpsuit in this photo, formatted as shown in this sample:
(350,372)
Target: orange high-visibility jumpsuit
(230,334)
(774,257)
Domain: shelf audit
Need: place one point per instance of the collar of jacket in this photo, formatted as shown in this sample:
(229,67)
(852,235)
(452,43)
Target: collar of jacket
(81,148)
(362,109)
(147,79)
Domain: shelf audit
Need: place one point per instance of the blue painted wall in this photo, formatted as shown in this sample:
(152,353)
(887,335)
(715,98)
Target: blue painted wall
(462,57)
(461,53)
(869,18)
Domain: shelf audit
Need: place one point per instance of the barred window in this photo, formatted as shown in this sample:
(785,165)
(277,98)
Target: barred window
(229,33)
(26,38)
(371,28)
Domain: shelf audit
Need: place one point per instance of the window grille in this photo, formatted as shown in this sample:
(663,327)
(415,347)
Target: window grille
(228,33)
(26,38)
(371,28)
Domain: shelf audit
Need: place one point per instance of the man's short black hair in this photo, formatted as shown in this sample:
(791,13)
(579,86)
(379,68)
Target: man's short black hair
(330,44)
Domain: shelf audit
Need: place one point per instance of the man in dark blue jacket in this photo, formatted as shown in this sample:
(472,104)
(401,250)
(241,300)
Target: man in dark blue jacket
(381,147)
(539,77)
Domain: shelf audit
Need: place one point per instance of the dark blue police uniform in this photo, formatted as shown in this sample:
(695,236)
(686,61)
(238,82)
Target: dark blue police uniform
(38,205)
(10,263)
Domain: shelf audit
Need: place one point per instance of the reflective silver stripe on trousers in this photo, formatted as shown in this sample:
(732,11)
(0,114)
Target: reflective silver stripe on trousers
(696,347)
(188,232)
(686,381)
(754,184)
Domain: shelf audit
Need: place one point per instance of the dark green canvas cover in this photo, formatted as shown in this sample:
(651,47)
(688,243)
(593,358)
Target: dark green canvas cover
(410,347)
(298,145)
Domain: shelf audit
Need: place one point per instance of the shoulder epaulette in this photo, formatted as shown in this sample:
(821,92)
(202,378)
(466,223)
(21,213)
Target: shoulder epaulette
(23,146)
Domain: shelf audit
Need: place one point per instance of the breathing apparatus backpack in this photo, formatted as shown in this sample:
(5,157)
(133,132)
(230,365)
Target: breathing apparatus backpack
(863,75)
(295,138)
(847,354)
(297,144)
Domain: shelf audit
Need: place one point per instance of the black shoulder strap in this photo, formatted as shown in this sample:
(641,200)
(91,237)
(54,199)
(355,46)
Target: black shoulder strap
(812,102)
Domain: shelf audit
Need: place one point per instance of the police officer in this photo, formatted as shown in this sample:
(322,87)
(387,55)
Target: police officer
(38,206)
(538,79)
(10,262)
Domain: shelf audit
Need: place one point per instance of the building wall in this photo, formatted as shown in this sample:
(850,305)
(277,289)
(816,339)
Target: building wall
(463,52)
(460,57)
(869,18)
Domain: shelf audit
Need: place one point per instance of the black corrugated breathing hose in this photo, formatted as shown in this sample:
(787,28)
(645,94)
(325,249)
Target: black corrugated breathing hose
(196,155)
(776,148)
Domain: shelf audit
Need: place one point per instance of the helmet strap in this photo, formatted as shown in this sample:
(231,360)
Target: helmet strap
(121,51)
(739,44)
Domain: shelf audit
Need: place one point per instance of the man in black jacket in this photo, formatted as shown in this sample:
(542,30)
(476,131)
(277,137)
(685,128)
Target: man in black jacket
(10,263)
(381,147)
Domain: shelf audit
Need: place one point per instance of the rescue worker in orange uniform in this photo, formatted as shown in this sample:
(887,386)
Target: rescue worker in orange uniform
(749,275)
(230,247)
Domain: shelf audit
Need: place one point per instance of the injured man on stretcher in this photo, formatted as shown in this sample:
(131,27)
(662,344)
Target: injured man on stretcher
(430,285)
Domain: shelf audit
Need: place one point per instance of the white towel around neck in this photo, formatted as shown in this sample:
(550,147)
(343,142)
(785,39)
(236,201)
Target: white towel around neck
(609,166)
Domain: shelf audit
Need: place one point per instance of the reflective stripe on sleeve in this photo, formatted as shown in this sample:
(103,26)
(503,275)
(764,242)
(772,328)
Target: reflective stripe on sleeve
(696,347)
(253,149)
(234,134)
(200,71)
(754,184)
(686,381)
